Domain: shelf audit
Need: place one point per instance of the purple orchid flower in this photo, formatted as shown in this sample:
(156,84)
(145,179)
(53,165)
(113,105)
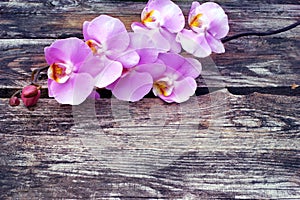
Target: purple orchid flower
(72,70)
(161,20)
(208,23)
(108,37)
(177,83)
(137,81)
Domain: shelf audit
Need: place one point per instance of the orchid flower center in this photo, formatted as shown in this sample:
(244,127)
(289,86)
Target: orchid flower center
(196,21)
(96,47)
(151,19)
(162,87)
(199,22)
(60,72)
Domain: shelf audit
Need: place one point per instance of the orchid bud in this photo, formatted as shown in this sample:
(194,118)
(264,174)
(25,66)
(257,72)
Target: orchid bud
(30,95)
(14,101)
(30,91)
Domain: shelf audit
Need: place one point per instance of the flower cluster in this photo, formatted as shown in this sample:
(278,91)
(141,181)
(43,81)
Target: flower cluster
(131,64)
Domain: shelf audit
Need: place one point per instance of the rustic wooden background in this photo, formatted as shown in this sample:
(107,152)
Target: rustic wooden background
(238,138)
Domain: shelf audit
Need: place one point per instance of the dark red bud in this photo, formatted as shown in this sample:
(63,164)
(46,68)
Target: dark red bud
(14,101)
(30,91)
(30,95)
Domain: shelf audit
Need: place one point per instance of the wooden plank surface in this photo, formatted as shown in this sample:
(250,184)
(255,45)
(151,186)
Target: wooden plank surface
(214,146)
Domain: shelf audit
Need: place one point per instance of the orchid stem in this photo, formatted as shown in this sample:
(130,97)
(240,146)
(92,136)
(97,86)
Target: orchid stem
(229,38)
(36,74)
(17,92)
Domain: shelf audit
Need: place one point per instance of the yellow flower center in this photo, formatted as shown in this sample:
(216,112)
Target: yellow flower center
(162,88)
(59,72)
(94,46)
(196,21)
(149,17)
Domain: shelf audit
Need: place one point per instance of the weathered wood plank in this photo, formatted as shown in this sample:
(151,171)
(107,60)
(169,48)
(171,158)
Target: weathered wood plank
(214,146)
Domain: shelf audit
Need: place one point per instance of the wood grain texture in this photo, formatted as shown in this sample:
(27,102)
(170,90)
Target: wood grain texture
(214,146)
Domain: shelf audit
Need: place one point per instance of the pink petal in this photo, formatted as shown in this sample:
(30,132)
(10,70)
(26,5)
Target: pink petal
(219,27)
(215,44)
(140,41)
(85,30)
(154,69)
(117,43)
(171,37)
(182,91)
(129,58)
(183,66)
(160,42)
(147,55)
(74,91)
(194,43)
(144,46)
(53,55)
(71,50)
(133,87)
(50,93)
(138,27)
(194,68)
(110,71)
(195,4)
(172,60)
(93,65)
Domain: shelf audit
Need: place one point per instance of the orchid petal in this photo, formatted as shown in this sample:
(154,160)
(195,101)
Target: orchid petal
(110,71)
(219,27)
(160,42)
(92,65)
(154,69)
(171,37)
(140,41)
(195,4)
(49,82)
(74,91)
(194,43)
(184,66)
(193,68)
(172,60)
(129,58)
(215,44)
(118,43)
(144,47)
(85,26)
(133,87)
(148,55)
